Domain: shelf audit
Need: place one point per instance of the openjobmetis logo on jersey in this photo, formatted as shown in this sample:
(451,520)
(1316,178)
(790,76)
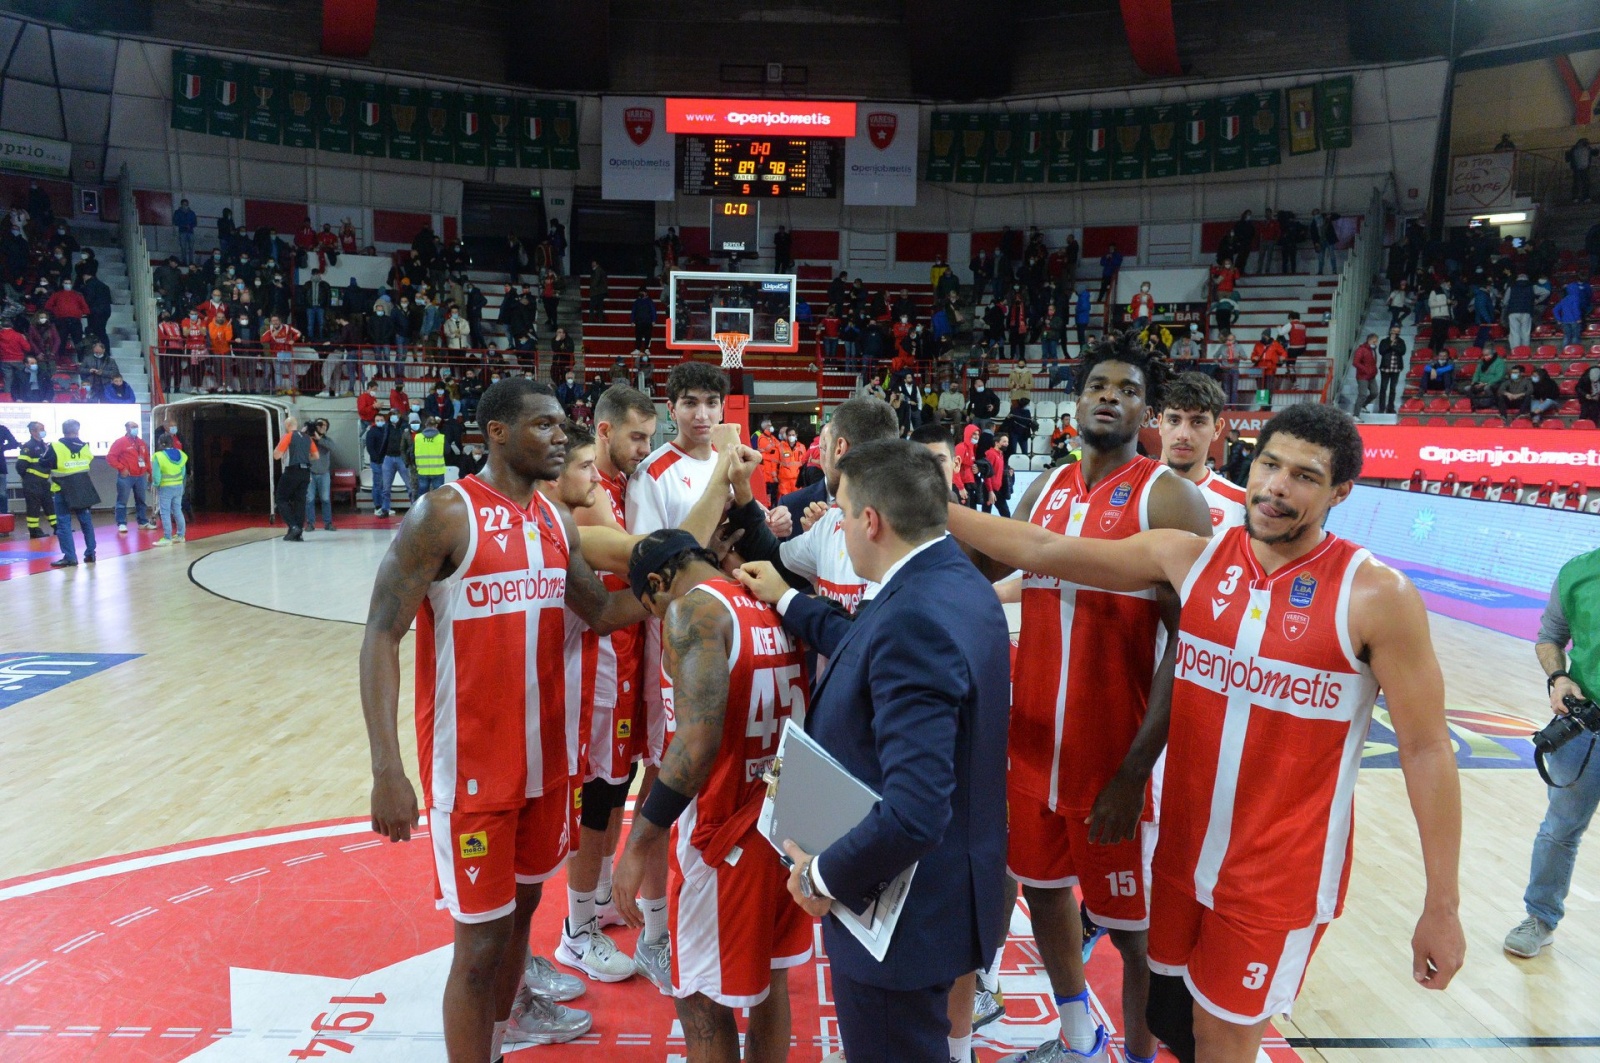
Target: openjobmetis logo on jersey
(1219,669)
(513,591)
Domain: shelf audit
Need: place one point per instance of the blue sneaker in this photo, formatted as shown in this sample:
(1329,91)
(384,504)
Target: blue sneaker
(1092,932)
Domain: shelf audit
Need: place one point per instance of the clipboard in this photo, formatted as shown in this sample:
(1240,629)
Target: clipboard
(813,800)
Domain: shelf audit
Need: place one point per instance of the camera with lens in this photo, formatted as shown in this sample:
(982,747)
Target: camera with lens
(1581,716)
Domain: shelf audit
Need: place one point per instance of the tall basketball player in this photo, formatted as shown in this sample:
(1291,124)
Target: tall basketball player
(736,676)
(1286,635)
(1089,704)
(1190,421)
(485,567)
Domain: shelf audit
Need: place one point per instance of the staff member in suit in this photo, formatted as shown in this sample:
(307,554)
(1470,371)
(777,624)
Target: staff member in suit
(914,704)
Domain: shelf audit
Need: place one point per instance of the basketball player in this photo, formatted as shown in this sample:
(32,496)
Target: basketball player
(662,489)
(736,675)
(486,567)
(1191,419)
(1287,633)
(1089,704)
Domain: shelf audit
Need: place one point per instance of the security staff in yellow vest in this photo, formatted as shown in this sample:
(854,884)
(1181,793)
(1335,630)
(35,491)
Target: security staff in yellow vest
(67,462)
(36,483)
(167,476)
(428,450)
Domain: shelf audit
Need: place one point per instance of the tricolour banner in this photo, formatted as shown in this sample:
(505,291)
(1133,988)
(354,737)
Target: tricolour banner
(1394,452)
(880,161)
(638,157)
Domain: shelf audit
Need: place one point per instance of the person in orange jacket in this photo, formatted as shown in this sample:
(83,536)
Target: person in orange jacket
(791,458)
(1267,355)
(767,443)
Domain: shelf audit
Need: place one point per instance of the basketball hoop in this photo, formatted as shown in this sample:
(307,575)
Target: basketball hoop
(732,344)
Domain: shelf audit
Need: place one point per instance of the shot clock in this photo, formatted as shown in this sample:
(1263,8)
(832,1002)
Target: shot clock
(735,227)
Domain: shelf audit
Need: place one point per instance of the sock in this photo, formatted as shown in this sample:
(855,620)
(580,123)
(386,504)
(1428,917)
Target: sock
(1131,1058)
(602,891)
(960,1049)
(655,918)
(580,912)
(1078,1028)
(499,1040)
(989,977)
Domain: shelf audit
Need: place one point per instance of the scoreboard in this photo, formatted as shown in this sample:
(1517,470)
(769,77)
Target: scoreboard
(759,166)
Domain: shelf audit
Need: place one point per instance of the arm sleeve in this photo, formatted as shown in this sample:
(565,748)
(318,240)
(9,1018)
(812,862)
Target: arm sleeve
(282,447)
(1553,626)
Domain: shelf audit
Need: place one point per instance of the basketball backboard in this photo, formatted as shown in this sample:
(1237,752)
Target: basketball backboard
(762,305)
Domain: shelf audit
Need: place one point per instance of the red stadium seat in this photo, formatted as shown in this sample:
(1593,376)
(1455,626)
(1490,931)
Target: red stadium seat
(1451,484)
(1546,350)
(1410,422)
(1497,331)
(1545,493)
(1454,333)
(1471,354)
(1575,493)
(1440,405)
(1570,408)
(1415,483)
(1521,422)
(1521,353)
(1461,406)
(1555,423)
(1479,489)
(1594,352)
(1583,424)
(1576,369)
(1572,350)
(1553,370)
(1412,405)
(1512,488)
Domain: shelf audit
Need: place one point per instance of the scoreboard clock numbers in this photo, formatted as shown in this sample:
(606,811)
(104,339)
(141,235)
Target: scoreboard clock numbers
(735,227)
(758,167)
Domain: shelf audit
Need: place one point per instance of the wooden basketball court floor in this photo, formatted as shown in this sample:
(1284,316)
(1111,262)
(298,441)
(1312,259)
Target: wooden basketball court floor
(187,714)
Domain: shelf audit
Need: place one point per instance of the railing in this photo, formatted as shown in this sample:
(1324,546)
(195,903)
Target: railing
(1543,178)
(1351,297)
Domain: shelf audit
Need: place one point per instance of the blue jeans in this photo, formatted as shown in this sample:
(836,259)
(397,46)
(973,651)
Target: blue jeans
(186,247)
(319,488)
(1571,332)
(135,484)
(1555,849)
(64,517)
(1051,349)
(383,479)
(428,483)
(170,502)
(315,317)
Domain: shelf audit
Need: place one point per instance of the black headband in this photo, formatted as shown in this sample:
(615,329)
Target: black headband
(653,553)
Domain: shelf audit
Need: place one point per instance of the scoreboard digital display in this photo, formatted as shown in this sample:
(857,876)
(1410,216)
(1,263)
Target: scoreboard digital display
(768,167)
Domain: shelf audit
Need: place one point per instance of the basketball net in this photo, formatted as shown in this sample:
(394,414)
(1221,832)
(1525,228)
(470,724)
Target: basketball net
(732,344)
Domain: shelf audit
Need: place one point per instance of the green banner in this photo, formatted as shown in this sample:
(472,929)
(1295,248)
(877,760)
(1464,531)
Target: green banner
(1263,136)
(190,73)
(1336,112)
(469,126)
(1033,147)
(562,133)
(263,117)
(438,129)
(1161,125)
(972,146)
(1199,132)
(1001,168)
(1066,145)
(1096,162)
(405,122)
(1302,120)
(1232,114)
(372,129)
(1129,144)
(300,94)
(225,107)
(941,148)
(500,114)
(335,104)
(533,135)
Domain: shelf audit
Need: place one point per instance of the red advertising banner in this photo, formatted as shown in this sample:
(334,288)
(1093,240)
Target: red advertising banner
(1532,455)
(756,118)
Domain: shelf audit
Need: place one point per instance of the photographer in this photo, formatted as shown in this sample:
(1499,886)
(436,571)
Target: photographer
(1571,616)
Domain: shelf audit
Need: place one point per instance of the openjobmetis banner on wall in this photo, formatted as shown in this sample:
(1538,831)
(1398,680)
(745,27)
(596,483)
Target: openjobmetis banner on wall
(880,161)
(638,158)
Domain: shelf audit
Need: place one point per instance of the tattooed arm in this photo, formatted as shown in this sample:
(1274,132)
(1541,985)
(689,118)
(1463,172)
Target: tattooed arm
(430,545)
(604,611)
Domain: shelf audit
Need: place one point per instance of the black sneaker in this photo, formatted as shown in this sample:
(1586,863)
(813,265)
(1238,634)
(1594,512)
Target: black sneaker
(62,562)
(88,558)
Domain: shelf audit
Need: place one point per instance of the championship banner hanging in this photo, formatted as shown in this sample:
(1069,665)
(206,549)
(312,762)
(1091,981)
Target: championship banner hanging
(371,129)
(1303,120)
(972,145)
(263,121)
(1096,157)
(1033,147)
(941,148)
(1065,143)
(1128,144)
(1001,168)
(1198,124)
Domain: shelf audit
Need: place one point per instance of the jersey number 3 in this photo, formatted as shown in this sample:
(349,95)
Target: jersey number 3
(1230,580)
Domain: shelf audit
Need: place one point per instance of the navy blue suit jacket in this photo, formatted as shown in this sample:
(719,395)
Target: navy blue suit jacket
(915,703)
(797,501)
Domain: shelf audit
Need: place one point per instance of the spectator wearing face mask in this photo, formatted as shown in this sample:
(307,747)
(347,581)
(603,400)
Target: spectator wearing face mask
(1515,392)
(130,457)
(791,459)
(983,405)
(439,405)
(951,404)
(381,334)
(457,332)
(1142,307)
(389,451)
(1545,396)
(568,391)
(320,487)
(428,450)
(67,309)
(1588,391)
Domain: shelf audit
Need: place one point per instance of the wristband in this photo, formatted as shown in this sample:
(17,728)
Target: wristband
(664,805)
(1550,680)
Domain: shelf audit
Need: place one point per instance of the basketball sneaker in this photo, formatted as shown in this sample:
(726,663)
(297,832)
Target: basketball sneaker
(606,914)
(163,541)
(122,529)
(1092,931)
(594,954)
(543,980)
(537,1021)
(987,1007)
(653,959)
(1529,936)
(1055,1051)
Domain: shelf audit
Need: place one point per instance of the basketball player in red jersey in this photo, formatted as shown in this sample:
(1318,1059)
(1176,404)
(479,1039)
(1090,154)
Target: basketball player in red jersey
(1089,704)
(1287,633)
(485,567)
(736,675)
(1191,418)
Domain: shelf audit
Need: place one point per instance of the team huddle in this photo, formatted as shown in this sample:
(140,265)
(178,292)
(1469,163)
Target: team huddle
(1196,666)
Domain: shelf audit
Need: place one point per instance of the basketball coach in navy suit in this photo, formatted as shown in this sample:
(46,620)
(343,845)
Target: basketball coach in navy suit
(914,703)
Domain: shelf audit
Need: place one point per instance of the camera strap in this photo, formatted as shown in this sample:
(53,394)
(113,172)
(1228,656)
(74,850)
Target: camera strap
(1538,762)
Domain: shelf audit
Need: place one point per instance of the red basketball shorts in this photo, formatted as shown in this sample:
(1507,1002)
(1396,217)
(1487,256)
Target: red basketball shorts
(479,858)
(1051,850)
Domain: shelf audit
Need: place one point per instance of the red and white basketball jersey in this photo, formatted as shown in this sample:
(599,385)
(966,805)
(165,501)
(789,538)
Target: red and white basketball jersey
(495,722)
(1225,499)
(1085,657)
(1270,707)
(766,685)
(612,741)
(820,556)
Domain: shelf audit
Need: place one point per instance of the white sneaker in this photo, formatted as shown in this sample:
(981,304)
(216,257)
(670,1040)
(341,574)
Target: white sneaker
(594,954)
(537,1021)
(122,529)
(543,980)
(163,541)
(607,915)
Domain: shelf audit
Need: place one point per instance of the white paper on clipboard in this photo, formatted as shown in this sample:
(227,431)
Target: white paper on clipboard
(817,801)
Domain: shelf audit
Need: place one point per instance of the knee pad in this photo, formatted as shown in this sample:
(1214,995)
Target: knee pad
(1169,1012)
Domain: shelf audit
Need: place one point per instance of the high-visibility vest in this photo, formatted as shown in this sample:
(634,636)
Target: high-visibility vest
(429,454)
(169,473)
(69,464)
